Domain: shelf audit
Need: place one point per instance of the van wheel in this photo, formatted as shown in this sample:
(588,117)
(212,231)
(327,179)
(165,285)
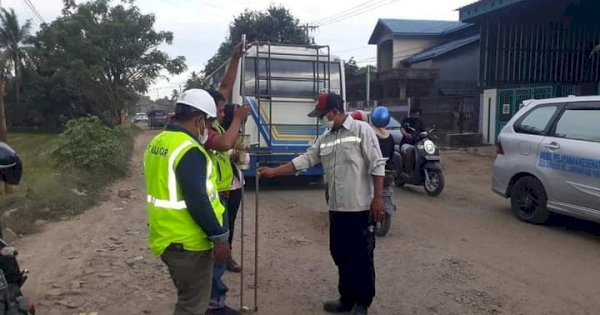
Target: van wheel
(528,200)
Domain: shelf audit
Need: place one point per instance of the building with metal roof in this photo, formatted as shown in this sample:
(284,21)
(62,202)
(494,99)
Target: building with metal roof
(533,49)
(429,64)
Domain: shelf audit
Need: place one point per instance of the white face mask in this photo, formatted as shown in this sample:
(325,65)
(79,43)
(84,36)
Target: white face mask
(203,136)
(326,123)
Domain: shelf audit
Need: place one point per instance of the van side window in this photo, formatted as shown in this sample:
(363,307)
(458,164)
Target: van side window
(579,124)
(537,121)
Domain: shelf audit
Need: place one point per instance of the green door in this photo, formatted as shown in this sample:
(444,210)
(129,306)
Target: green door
(509,101)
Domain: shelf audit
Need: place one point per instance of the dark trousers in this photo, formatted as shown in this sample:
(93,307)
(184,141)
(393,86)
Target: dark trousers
(352,242)
(232,205)
(191,273)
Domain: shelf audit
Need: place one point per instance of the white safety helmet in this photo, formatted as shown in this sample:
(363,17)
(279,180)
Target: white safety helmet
(199,99)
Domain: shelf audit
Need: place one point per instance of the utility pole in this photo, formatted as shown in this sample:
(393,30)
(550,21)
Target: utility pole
(308,28)
(368,86)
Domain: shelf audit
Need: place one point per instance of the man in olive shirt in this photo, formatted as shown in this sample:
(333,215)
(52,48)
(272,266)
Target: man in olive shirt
(349,152)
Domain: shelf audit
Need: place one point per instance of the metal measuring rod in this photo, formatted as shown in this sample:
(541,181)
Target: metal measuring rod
(254,306)
(243,147)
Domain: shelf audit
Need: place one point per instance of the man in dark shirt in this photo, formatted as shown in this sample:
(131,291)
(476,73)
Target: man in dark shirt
(408,138)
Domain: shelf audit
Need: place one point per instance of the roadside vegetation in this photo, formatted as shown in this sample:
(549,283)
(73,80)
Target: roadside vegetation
(64,173)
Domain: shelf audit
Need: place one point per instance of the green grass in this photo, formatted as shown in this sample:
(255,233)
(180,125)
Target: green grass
(46,191)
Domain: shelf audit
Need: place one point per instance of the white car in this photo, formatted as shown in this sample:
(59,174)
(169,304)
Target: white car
(549,159)
(140,117)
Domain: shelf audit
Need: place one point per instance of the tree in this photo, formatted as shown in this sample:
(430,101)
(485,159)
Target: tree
(4,75)
(109,53)
(174,95)
(195,81)
(276,25)
(350,68)
(13,38)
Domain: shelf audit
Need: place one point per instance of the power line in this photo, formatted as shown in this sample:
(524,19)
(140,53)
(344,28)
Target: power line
(351,49)
(36,13)
(345,11)
(27,10)
(355,13)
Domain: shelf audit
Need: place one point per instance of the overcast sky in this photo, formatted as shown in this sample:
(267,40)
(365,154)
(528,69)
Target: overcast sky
(199,26)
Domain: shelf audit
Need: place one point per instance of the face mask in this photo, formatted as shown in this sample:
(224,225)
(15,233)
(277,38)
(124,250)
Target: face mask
(203,137)
(326,123)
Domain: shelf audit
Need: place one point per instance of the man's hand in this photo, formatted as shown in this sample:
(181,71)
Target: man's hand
(377,209)
(222,252)
(266,172)
(241,112)
(238,51)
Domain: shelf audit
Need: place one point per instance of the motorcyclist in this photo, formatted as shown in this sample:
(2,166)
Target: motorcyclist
(379,119)
(11,167)
(408,137)
(12,277)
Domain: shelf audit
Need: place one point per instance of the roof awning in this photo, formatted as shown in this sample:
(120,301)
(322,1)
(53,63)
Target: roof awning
(442,49)
(470,12)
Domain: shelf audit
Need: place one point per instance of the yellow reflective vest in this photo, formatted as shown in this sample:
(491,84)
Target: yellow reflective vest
(169,220)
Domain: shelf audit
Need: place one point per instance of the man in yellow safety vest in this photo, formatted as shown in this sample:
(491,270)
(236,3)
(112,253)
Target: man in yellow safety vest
(185,215)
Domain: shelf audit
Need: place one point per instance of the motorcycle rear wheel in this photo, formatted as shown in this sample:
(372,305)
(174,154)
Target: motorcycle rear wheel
(382,228)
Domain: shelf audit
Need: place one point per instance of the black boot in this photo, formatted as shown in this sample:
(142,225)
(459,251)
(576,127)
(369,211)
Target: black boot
(359,310)
(336,307)
(223,311)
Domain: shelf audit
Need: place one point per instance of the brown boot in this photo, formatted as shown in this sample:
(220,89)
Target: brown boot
(233,266)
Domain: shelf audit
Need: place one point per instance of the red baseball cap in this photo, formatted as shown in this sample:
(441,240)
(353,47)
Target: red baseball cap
(326,103)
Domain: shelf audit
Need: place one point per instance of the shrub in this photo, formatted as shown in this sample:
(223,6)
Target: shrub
(89,145)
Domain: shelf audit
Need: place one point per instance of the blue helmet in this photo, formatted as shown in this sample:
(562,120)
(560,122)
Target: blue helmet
(380,117)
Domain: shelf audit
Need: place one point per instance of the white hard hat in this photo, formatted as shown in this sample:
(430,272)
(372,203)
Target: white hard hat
(199,99)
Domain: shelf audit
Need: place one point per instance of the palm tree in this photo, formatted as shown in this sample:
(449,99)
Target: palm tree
(174,94)
(194,81)
(4,76)
(13,39)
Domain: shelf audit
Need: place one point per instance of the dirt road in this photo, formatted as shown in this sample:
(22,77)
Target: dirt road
(460,253)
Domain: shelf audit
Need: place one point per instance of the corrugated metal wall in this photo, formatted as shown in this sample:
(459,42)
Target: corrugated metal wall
(538,53)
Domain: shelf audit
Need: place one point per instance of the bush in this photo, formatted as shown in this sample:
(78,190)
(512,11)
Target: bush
(89,145)
(70,176)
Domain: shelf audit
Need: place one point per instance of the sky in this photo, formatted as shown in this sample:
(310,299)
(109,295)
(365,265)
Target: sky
(199,26)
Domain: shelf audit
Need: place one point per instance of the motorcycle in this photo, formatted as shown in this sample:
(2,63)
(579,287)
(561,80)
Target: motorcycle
(383,227)
(12,278)
(426,169)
